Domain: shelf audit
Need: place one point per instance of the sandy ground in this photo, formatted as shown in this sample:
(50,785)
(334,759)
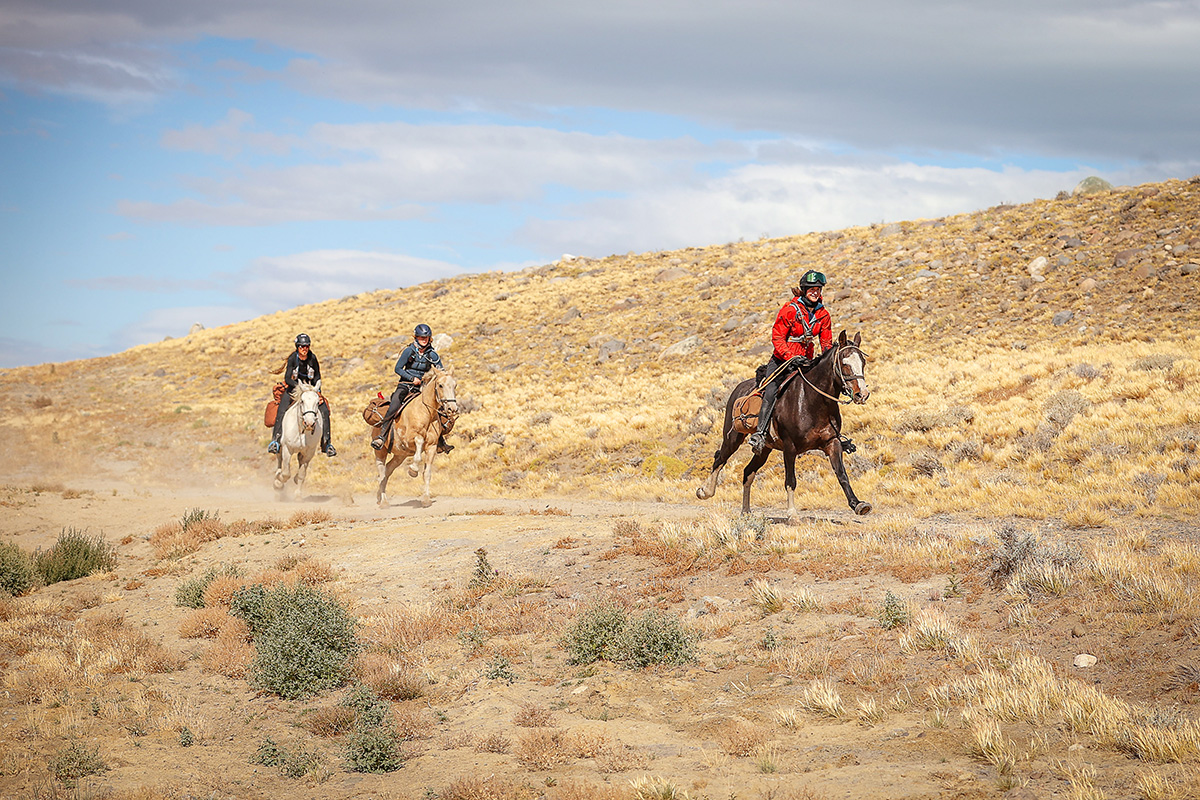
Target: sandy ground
(672,722)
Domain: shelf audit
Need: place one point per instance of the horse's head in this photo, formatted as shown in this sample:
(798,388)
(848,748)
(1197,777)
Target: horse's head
(851,368)
(443,384)
(307,399)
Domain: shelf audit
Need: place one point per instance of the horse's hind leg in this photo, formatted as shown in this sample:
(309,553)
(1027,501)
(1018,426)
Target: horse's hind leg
(301,475)
(748,475)
(834,451)
(385,472)
(789,481)
(729,445)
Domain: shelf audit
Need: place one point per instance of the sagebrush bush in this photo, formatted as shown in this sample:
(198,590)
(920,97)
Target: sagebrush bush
(74,555)
(611,634)
(374,744)
(303,639)
(893,613)
(17,575)
(75,762)
(1017,554)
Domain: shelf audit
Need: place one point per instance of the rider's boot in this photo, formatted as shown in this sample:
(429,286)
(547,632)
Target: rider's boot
(758,439)
(328,449)
(847,445)
(377,442)
(273,447)
(443,446)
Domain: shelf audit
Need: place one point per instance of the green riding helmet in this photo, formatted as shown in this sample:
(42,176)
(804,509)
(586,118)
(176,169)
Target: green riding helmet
(812,278)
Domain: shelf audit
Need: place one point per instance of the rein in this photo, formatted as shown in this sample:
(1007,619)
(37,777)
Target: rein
(835,357)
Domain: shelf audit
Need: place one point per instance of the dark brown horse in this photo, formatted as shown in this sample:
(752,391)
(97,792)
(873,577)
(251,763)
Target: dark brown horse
(806,417)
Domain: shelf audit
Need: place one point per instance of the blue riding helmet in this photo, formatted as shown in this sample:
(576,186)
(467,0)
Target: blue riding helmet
(422,330)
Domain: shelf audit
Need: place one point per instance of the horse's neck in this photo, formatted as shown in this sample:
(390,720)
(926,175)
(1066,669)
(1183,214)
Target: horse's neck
(823,374)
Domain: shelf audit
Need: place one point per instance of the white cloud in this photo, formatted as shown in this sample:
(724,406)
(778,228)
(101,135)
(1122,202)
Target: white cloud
(161,323)
(272,284)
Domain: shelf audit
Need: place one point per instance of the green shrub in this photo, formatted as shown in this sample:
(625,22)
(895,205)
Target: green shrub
(17,575)
(374,744)
(373,750)
(893,613)
(609,633)
(74,555)
(190,593)
(303,639)
(484,574)
(500,669)
(76,762)
(269,754)
(196,515)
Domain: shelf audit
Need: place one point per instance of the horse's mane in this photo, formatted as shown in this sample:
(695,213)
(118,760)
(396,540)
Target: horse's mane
(301,388)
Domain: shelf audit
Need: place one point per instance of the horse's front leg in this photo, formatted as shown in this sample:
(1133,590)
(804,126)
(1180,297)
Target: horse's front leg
(789,481)
(748,475)
(386,467)
(418,454)
(301,475)
(426,500)
(834,451)
(283,464)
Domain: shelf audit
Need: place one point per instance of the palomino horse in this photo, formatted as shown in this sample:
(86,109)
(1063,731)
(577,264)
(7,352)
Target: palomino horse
(416,430)
(806,418)
(301,436)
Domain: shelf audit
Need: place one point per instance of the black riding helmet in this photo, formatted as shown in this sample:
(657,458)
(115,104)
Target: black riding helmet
(422,330)
(812,278)
(303,341)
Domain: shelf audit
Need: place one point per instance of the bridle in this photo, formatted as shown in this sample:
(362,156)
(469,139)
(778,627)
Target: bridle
(840,372)
(305,425)
(447,409)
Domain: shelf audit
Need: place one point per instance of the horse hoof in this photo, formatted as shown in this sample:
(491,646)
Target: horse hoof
(862,509)
(413,472)
(700,493)
(279,485)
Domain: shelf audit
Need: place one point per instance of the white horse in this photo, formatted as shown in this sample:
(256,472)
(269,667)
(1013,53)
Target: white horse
(416,430)
(301,436)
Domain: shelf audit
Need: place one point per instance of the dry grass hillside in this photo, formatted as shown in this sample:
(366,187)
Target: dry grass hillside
(1019,617)
(989,382)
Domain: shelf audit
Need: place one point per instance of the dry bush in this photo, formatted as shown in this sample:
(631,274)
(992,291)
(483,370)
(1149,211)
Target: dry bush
(311,517)
(204,623)
(533,716)
(494,743)
(570,790)
(230,655)
(822,697)
(588,744)
(400,632)
(490,788)
(330,721)
(541,748)
(620,757)
(459,740)
(314,572)
(220,591)
(741,738)
(389,678)
(412,721)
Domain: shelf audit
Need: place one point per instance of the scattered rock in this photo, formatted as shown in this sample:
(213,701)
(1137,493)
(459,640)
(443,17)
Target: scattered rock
(1037,268)
(1092,185)
(1078,631)
(891,229)
(608,348)
(1062,317)
(196,326)
(442,342)
(1125,256)
(1145,270)
(731,324)
(671,274)
(571,315)
(1083,661)
(681,348)
(1088,285)
(1189,268)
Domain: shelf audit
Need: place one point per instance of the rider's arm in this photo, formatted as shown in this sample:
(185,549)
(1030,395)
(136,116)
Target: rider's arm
(826,333)
(289,371)
(779,333)
(316,365)
(401,362)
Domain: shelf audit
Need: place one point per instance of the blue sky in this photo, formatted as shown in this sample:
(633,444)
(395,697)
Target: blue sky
(167,163)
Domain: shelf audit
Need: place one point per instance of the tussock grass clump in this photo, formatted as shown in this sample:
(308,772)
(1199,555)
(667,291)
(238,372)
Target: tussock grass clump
(489,788)
(609,633)
(541,748)
(303,639)
(17,574)
(1017,554)
(389,678)
(74,555)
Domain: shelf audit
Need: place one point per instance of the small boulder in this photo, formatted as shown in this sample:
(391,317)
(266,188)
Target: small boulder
(1092,185)
(671,274)
(1084,660)
(442,342)
(1062,317)
(1122,258)
(680,348)
(196,326)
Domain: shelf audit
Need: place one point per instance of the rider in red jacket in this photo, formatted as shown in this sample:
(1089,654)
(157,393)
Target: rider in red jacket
(801,323)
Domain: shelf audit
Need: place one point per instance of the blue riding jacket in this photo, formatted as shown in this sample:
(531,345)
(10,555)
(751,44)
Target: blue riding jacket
(415,362)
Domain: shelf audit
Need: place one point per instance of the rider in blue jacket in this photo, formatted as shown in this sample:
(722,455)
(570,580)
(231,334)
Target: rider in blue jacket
(415,360)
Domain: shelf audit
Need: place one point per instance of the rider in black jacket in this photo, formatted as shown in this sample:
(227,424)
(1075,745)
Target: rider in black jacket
(302,367)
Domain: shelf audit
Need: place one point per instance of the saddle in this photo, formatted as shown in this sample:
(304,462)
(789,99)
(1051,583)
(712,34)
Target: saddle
(272,410)
(746,409)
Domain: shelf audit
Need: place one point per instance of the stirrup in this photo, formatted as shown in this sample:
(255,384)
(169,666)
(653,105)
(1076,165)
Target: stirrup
(847,445)
(758,441)
(329,450)
(377,443)
(273,447)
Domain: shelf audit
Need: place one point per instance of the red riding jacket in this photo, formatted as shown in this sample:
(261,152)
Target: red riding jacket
(796,327)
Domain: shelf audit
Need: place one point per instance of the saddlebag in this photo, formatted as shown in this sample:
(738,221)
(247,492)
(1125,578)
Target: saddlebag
(273,406)
(745,413)
(376,408)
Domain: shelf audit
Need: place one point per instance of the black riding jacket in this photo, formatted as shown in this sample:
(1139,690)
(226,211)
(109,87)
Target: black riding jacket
(297,371)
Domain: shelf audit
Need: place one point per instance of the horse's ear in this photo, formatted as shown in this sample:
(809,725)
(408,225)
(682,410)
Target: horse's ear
(858,339)
(842,337)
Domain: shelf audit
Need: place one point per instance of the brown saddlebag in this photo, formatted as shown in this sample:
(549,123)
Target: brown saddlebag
(376,409)
(273,406)
(745,413)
